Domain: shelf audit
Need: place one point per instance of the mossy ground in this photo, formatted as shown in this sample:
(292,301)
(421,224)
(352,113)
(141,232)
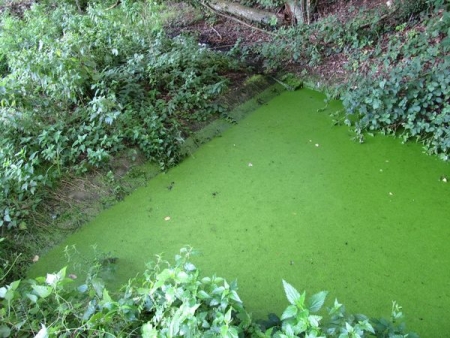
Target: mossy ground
(285,195)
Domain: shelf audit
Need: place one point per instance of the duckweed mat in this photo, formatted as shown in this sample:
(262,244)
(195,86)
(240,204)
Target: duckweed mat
(285,195)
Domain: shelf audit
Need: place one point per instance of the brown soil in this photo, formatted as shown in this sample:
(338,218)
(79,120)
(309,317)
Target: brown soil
(15,7)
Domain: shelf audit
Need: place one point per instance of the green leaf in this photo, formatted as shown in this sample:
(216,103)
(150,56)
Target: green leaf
(14,285)
(314,321)
(228,316)
(90,310)
(62,273)
(98,286)
(301,326)
(218,290)
(148,331)
(5,331)
(161,278)
(98,318)
(232,332)
(234,296)
(182,277)
(203,295)
(291,311)
(32,297)
(289,330)
(82,288)
(316,301)
(365,325)
(42,290)
(106,296)
(206,280)
(189,267)
(337,307)
(291,293)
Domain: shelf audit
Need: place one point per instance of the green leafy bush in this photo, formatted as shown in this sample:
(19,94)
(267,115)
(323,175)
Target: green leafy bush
(407,89)
(167,301)
(170,300)
(310,44)
(79,87)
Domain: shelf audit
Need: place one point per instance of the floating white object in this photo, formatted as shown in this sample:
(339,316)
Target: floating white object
(167,218)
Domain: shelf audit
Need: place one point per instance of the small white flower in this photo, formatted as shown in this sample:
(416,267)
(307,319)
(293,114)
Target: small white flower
(389,3)
(317,144)
(167,218)
(250,164)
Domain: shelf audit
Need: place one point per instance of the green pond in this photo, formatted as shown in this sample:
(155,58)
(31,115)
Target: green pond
(285,195)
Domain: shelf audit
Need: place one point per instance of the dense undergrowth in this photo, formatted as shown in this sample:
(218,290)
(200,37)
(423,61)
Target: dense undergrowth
(398,58)
(171,300)
(78,87)
(406,89)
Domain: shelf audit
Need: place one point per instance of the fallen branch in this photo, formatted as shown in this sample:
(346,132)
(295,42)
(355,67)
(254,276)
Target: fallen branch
(285,85)
(218,34)
(115,5)
(236,20)
(243,12)
(383,17)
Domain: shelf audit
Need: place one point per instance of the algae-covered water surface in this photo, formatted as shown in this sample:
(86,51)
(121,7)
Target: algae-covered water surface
(284,195)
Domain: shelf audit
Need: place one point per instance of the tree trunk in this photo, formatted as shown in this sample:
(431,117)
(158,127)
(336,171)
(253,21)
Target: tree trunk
(243,12)
(295,11)
(301,10)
